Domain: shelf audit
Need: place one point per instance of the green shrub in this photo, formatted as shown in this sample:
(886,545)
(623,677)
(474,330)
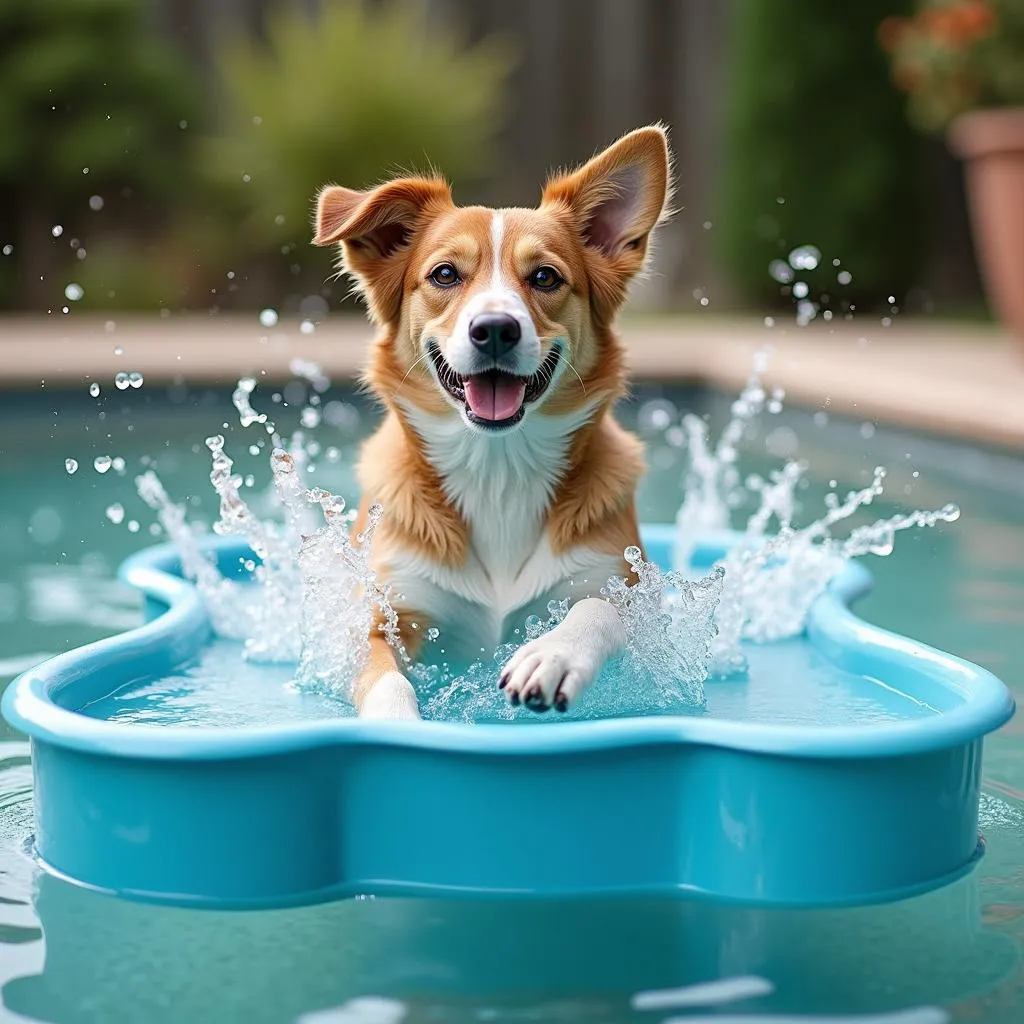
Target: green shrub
(812,120)
(91,103)
(347,96)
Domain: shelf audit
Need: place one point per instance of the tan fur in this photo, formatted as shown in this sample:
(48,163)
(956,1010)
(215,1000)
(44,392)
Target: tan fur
(593,226)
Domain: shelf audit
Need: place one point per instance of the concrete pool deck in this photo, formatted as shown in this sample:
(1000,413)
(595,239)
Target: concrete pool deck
(961,379)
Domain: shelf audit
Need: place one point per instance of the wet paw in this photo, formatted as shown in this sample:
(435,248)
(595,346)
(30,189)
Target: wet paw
(546,673)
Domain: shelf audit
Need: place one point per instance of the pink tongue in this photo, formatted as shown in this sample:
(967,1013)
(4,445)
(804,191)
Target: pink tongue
(494,396)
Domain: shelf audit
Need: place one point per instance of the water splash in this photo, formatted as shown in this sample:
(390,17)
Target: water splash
(771,580)
(712,486)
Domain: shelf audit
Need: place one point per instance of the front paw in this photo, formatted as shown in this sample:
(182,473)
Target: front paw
(391,697)
(546,673)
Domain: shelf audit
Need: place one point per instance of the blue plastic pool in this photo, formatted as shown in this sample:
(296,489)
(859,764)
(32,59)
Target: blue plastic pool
(579,960)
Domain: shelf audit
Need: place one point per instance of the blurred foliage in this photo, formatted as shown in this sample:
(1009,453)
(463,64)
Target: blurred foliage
(953,56)
(818,152)
(213,215)
(348,96)
(90,104)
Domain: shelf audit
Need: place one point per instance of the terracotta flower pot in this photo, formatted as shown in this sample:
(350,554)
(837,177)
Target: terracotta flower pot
(991,143)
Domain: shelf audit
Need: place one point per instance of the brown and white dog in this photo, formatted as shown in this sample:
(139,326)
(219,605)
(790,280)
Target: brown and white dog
(504,477)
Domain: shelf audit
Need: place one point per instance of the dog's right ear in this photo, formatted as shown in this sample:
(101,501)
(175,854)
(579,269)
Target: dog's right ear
(375,230)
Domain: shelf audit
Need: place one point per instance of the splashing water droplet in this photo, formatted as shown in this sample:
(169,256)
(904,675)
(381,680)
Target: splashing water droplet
(307,327)
(115,513)
(94,389)
(102,463)
(121,381)
(268,318)
(844,277)
(800,290)
(8,249)
(118,351)
(310,417)
(73,292)
(57,230)
(96,203)
(433,633)
(117,464)
(781,271)
(135,379)
(71,465)
(805,257)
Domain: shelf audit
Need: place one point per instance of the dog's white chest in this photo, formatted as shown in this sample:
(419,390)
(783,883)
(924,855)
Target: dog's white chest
(503,487)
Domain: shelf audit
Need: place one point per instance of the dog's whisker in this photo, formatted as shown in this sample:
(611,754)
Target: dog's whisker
(568,362)
(413,367)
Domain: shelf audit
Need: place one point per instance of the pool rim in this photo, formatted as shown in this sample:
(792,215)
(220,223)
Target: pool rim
(29,706)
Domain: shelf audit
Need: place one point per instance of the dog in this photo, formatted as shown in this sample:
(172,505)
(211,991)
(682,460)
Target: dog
(504,477)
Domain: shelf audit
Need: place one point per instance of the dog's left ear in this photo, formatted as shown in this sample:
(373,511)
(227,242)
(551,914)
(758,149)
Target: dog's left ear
(616,200)
(376,230)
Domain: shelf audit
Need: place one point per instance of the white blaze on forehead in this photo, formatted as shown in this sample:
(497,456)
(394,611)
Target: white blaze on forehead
(497,237)
(496,295)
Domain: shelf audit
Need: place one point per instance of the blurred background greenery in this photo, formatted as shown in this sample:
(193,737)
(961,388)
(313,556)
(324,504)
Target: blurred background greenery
(162,154)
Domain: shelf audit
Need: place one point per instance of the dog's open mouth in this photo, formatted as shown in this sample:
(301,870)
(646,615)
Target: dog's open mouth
(495,398)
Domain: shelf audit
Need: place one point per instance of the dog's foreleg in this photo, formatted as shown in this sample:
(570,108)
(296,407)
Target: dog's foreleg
(554,669)
(381,691)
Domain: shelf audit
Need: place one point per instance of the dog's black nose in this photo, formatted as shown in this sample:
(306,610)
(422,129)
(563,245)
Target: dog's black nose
(494,333)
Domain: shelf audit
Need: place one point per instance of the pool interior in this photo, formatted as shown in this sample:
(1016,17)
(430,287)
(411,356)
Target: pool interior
(72,956)
(789,682)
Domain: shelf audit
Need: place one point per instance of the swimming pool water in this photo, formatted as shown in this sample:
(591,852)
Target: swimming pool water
(789,683)
(960,588)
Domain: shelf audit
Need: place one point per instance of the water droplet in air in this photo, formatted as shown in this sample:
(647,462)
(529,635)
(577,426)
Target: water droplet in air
(8,249)
(115,513)
(433,633)
(121,381)
(183,125)
(57,230)
(307,327)
(117,463)
(102,463)
(867,430)
(781,271)
(769,321)
(73,292)
(805,257)
(94,389)
(135,379)
(118,351)
(800,290)
(133,526)
(215,443)
(268,318)
(71,466)
(844,277)
(96,202)
(310,417)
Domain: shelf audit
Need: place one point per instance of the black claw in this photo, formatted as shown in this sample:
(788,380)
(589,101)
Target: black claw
(514,698)
(502,682)
(534,700)
(561,703)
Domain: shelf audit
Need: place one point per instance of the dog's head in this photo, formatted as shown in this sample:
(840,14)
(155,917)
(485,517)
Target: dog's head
(492,314)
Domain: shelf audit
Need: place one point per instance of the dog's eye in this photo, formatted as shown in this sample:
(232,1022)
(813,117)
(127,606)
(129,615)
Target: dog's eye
(444,275)
(546,279)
